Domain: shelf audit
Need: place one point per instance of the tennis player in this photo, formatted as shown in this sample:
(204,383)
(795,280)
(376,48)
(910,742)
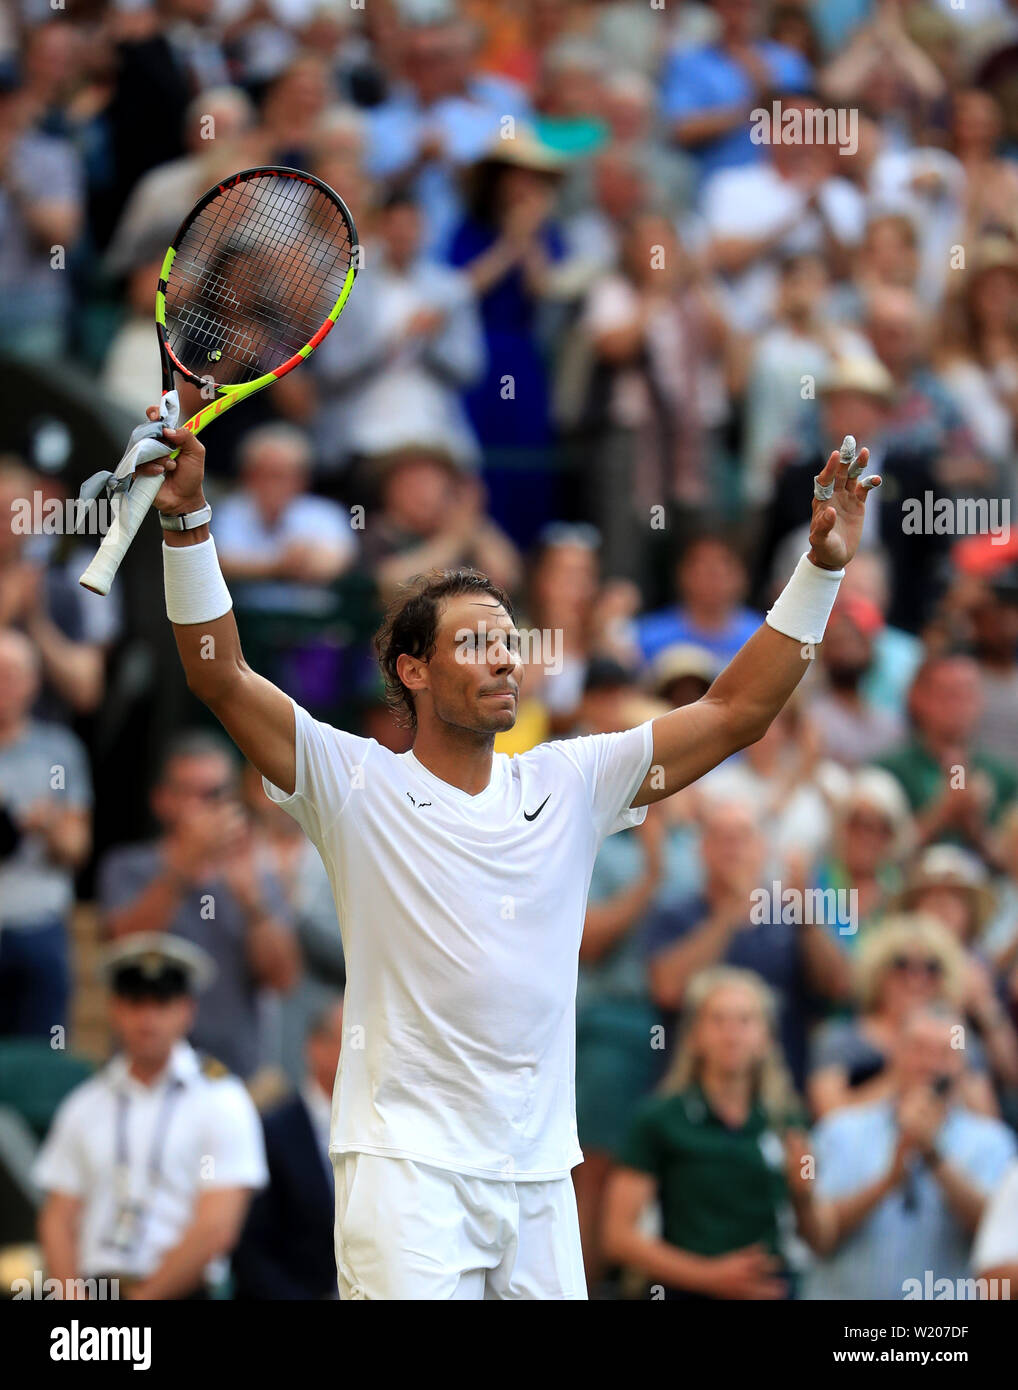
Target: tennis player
(460,878)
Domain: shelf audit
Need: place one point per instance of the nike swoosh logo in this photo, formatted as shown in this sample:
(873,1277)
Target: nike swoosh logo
(533,815)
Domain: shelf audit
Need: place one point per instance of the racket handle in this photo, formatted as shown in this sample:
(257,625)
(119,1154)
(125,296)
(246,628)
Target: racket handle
(129,515)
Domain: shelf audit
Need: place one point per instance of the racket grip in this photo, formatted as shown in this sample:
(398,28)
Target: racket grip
(129,515)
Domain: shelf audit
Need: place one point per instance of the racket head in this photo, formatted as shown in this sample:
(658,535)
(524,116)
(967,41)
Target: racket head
(255,277)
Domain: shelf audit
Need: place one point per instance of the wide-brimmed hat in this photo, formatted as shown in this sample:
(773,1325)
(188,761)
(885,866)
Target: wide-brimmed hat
(679,661)
(948,866)
(524,149)
(863,373)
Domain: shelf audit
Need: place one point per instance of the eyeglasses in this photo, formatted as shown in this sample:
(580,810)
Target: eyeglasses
(926,965)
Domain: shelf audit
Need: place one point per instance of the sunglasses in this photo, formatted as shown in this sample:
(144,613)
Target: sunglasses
(928,965)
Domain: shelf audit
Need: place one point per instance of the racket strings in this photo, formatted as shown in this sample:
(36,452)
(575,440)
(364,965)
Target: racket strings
(255,276)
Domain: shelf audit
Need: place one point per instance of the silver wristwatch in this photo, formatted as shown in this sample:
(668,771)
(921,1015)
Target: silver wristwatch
(188,522)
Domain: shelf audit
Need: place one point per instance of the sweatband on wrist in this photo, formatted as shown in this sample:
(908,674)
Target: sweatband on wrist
(196,591)
(804,605)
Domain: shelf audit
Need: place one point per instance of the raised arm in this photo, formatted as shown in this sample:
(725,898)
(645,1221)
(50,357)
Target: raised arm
(256,714)
(749,692)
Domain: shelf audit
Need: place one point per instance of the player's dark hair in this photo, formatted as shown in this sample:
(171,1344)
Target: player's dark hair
(410,626)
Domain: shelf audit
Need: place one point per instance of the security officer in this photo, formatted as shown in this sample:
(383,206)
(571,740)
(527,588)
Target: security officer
(150,1165)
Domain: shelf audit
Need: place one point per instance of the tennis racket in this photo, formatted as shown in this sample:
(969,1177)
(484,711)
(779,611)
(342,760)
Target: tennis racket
(254,279)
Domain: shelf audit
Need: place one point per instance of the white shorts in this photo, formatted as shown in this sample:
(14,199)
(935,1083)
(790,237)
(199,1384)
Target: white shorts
(405,1230)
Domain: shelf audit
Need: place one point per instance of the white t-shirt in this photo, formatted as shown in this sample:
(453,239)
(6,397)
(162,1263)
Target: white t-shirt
(242,534)
(461,922)
(754,200)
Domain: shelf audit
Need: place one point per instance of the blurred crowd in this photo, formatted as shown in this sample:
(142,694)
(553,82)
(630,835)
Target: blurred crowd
(602,339)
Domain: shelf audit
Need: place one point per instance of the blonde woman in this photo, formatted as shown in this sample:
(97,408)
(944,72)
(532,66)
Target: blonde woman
(719,1148)
(906,962)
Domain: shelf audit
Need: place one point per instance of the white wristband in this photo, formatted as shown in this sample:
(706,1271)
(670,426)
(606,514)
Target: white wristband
(804,605)
(196,591)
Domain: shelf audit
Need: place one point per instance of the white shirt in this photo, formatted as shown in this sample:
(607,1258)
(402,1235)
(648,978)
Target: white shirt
(754,200)
(461,924)
(997,1237)
(243,534)
(203,1136)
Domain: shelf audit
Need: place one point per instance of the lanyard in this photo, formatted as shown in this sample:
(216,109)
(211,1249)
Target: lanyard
(162,1128)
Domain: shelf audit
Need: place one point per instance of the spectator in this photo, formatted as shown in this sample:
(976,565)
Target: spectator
(511,249)
(724,924)
(955,790)
(296,864)
(711,582)
(787,360)
(785,776)
(991,182)
(978,352)
(953,886)
(434,122)
(896,653)
(905,962)
(720,1149)
(431,515)
(1000,939)
(281,545)
(563,584)
(657,386)
(569,98)
(285,552)
(850,729)
(162,55)
(412,343)
(218,126)
(132,363)
(150,1165)
(873,834)
(615,1063)
(40,220)
(882,61)
(45,837)
(709,93)
(199,880)
(794,199)
(923,418)
(856,397)
(285,1250)
(295,102)
(904,1180)
(44,602)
